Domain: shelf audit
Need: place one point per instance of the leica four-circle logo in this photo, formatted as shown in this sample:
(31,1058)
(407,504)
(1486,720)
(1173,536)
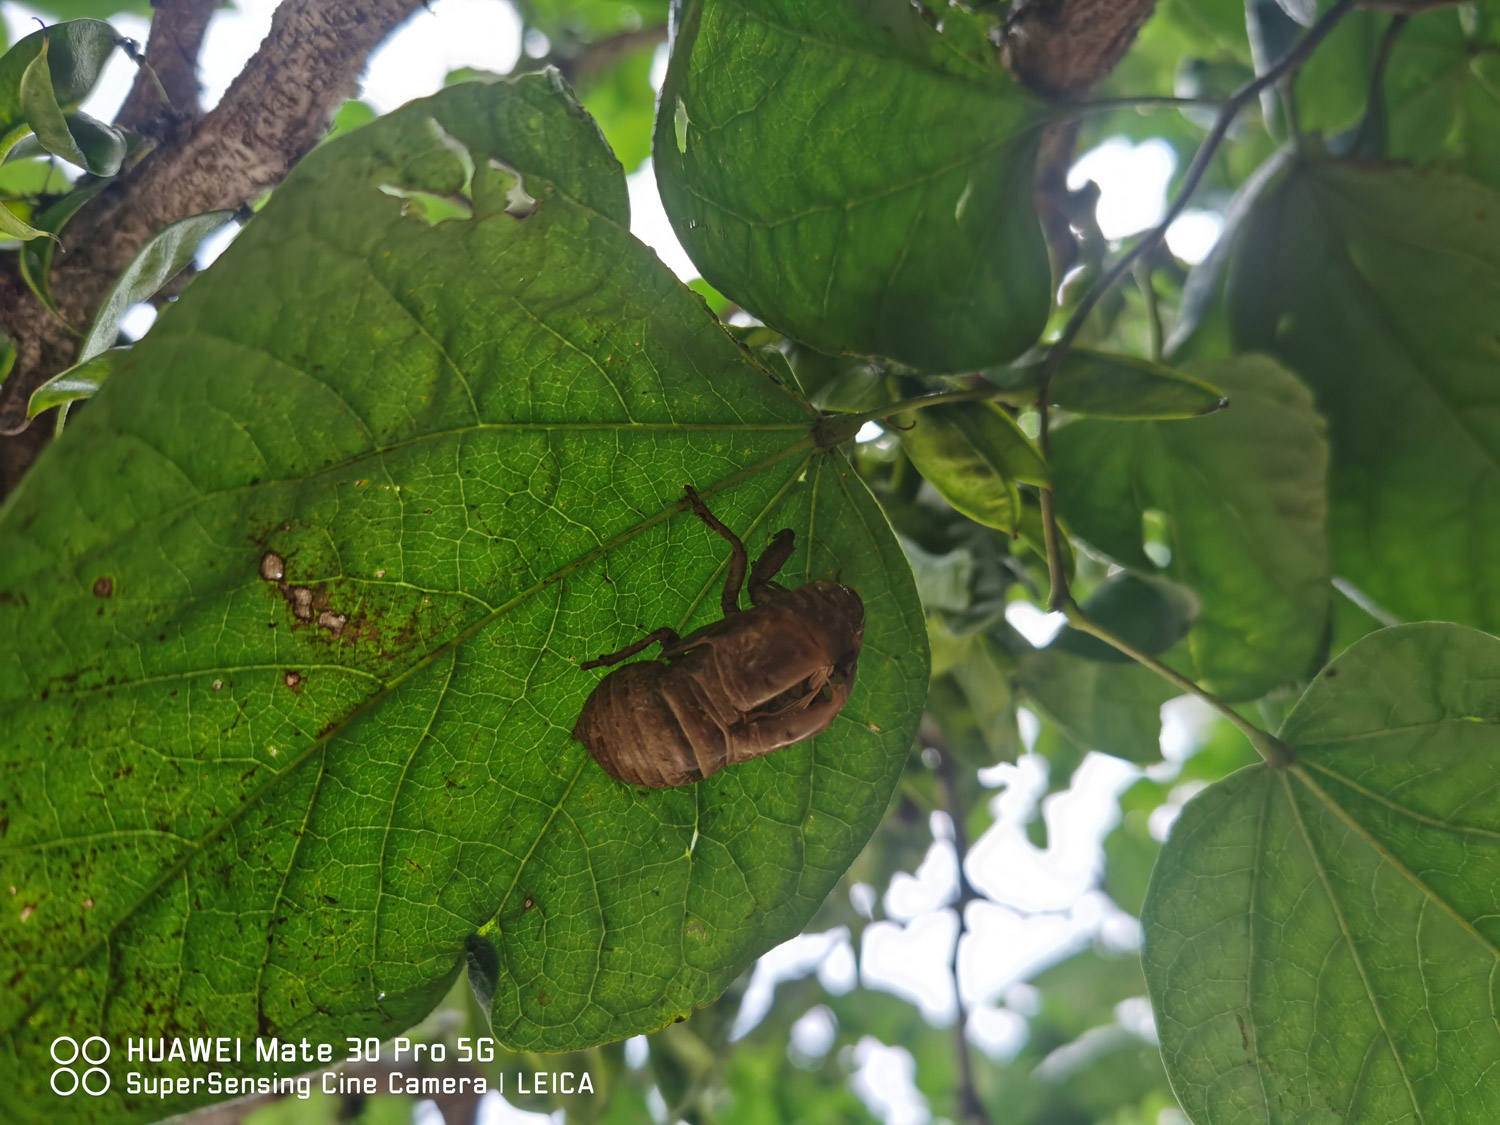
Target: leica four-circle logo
(78,1066)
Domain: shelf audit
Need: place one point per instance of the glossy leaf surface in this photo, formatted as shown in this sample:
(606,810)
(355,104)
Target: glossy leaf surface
(855,179)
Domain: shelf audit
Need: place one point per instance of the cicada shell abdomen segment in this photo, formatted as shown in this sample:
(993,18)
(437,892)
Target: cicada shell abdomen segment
(737,689)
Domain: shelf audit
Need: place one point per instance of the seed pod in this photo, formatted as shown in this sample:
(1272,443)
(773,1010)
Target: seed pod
(754,682)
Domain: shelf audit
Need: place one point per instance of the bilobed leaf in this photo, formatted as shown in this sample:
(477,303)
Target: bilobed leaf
(1244,497)
(1105,385)
(1321,941)
(856,179)
(294,612)
(1378,286)
(974,453)
(162,257)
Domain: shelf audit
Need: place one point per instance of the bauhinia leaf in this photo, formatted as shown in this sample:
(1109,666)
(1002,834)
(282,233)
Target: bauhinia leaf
(1379,287)
(1321,941)
(1243,495)
(294,613)
(974,453)
(856,179)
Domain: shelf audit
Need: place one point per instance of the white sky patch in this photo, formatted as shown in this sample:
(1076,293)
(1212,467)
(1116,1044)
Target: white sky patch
(1036,625)
(233,36)
(137,321)
(649,223)
(1007,867)
(911,961)
(1132,183)
(885,1082)
(495,1110)
(788,961)
(932,887)
(451,34)
(813,1033)
(870,431)
(1193,234)
(999,1032)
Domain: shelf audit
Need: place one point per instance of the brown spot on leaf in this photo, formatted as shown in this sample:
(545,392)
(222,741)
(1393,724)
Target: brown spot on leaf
(272,567)
(104,587)
(292,679)
(333,622)
(300,598)
(529,903)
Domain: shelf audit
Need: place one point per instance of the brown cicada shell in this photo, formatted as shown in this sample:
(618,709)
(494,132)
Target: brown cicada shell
(754,682)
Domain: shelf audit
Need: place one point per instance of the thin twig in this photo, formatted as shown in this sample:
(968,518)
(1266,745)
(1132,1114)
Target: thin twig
(970,1107)
(1375,96)
(1143,278)
(1275,752)
(1294,57)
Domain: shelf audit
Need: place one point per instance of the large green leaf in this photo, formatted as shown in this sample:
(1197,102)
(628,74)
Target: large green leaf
(1321,941)
(241,801)
(1379,287)
(1243,495)
(856,179)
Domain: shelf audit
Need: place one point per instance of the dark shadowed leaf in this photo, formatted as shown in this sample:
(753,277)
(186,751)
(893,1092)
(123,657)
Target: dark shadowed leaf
(1243,496)
(856,179)
(294,612)
(1321,941)
(1104,385)
(1379,286)
(1151,613)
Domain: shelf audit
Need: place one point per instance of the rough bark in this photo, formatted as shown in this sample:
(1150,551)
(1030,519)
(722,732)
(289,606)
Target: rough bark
(177,30)
(1061,48)
(276,110)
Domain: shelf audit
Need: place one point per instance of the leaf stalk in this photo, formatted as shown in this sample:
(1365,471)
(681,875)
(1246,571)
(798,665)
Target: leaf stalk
(1276,753)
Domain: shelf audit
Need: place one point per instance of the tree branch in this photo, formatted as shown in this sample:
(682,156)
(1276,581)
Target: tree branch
(177,30)
(276,110)
(1061,48)
(971,1108)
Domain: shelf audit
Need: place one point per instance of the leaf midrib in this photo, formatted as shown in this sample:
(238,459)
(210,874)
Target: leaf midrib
(253,799)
